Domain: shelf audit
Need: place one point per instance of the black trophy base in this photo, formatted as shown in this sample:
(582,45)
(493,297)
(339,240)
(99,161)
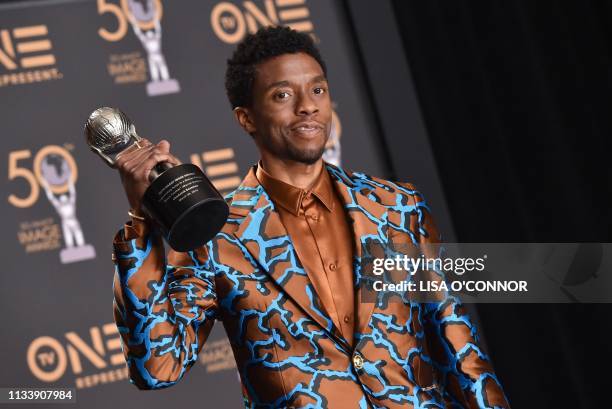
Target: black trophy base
(186,206)
(198,225)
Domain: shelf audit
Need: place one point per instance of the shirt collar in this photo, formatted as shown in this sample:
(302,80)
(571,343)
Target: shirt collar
(290,197)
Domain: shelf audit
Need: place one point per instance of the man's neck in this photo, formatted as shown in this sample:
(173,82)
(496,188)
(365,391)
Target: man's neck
(296,174)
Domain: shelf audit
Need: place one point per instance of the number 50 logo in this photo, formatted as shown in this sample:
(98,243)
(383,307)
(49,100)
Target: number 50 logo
(34,178)
(123,14)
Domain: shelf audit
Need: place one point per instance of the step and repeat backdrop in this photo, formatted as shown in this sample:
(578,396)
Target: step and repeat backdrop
(163,63)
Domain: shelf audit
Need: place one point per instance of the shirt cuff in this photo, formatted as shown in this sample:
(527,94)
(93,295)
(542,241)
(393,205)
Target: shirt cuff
(135,229)
(132,230)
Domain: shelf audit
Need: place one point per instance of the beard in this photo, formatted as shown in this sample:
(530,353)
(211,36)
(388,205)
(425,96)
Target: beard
(307,156)
(290,151)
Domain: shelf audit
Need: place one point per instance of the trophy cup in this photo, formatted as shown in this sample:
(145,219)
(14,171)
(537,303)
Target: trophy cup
(181,199)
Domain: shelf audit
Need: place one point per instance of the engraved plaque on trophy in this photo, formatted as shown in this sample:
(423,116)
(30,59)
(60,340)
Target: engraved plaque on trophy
(183,202)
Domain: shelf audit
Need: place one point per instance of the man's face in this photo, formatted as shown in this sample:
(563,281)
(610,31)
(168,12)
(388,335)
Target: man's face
(291,113)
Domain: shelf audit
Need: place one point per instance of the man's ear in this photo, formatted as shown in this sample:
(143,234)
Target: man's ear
(243,116)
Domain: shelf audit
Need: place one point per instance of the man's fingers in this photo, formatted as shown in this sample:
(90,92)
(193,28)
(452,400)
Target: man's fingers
(164,145)
(131,152)
(138,157)
(174,160)
(137,163)
(142,172)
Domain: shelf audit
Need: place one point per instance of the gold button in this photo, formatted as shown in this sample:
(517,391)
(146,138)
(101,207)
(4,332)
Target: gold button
(358,361)
(315,217)
(332,266)
(347,319)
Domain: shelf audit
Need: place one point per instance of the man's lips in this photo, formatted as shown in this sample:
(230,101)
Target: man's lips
(307,129)
(309,126)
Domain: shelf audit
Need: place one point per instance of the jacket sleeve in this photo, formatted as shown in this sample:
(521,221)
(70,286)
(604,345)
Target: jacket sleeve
(464,369)
(164,307)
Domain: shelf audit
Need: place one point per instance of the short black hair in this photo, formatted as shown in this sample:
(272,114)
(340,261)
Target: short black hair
(256,48)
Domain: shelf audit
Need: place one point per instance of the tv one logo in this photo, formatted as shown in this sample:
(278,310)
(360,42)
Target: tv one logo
(23,53)
(231,22)
(49,358)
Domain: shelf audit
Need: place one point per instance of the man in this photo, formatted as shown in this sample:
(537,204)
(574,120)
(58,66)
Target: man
(283,274)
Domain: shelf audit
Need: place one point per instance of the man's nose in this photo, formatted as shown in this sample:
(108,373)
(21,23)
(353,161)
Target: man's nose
(306,105)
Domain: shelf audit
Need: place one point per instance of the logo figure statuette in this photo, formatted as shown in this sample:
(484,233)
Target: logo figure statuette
(55,172)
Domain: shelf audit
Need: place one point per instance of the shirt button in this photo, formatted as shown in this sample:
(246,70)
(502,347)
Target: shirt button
(315,217)
(358,360)
(332,266)
(347,319)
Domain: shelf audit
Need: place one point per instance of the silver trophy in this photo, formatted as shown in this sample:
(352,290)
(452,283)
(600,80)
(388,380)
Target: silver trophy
(184,203)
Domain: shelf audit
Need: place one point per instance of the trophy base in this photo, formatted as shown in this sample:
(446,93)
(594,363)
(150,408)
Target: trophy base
(186,206)
(196,226)
(155,88)
(74,254)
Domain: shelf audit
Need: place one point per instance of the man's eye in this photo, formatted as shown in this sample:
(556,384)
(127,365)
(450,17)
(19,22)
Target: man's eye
(319,90)
(282,95)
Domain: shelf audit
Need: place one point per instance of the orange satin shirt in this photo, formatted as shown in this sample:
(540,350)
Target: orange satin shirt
(320,233)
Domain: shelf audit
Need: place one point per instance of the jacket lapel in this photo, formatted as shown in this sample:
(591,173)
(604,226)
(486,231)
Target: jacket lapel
(369,222)
(266,239)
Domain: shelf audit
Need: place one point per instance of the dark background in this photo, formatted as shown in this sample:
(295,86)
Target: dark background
(515,100)
(515,95)
(515,103)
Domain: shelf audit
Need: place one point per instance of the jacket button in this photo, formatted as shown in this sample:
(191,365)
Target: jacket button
(357,361)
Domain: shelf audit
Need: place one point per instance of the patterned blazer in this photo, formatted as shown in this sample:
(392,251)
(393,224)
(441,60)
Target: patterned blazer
(288,351)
